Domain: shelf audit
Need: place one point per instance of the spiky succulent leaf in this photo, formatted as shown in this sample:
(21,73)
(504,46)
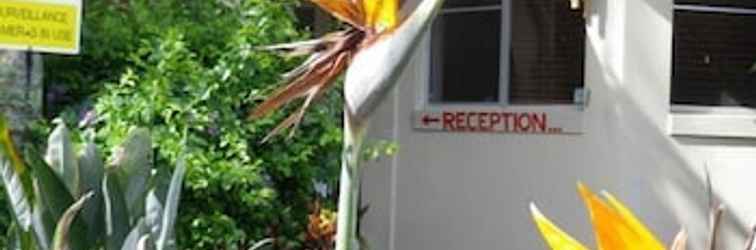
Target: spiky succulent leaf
(146,243)
(43,224)
(131,241)
(51,188)
(56,199)
(116,213)
(16,179)
(92,171)
(61,157)
(63,239)
(13,237)
(16,195)
(167,239)
(9,150)
(261,244)
(132,164)
(153,217)
(20,240)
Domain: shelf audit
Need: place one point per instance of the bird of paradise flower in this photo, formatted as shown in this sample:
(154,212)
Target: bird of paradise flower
(372,51)
(369,21)
(617,228)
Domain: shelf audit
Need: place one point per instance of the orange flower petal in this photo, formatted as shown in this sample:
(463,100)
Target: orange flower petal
(552,234)
(381,15)
(648,240)
(345,10)
(611,231)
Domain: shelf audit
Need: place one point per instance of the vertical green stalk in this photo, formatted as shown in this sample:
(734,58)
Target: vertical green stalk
(346,231)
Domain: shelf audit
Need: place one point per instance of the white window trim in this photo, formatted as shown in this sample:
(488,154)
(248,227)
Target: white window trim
(712,121)
(571,114)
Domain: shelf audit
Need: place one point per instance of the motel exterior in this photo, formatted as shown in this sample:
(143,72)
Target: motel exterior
(509,102)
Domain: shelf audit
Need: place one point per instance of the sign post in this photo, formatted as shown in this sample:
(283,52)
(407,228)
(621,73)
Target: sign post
(52,26)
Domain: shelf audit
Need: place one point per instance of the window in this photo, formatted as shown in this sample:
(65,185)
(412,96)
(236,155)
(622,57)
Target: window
(714,53)
(507,51)
(713,79)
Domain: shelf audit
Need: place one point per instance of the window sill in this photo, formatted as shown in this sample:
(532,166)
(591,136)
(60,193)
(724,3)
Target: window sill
(496,118)
(713,122)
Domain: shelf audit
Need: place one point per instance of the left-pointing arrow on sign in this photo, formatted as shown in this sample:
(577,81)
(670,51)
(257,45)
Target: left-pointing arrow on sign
(427,120)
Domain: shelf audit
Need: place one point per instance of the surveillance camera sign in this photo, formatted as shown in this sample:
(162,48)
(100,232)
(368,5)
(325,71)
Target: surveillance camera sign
(51,26)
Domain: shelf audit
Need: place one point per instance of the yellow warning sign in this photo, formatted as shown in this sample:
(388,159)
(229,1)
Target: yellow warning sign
(40,26)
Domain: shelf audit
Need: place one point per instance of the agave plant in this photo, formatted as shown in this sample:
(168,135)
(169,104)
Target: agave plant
(617,228)
(67,201)
(373,51)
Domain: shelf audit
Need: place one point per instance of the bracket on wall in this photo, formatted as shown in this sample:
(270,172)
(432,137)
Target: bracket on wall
(582,98)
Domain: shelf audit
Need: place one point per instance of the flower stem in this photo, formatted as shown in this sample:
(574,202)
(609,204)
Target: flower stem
(346,232)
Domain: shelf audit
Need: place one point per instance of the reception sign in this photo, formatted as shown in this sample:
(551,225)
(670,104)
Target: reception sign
(539,121)
(41,25)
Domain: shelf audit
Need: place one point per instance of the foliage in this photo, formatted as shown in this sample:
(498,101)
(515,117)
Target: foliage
(193,70)
(73,200)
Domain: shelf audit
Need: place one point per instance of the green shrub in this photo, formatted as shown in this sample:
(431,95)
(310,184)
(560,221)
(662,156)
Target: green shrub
(180,66)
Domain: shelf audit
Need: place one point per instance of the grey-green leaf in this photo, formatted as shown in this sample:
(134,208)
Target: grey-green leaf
(13,237)
(16,195)
(61,240)
(116,213)
(153,214)
(61,157)
(133,164)
(92,171)
(167,239)
(20,240)
(261,244)
(145,243)
(43,224)
(131,241)
(50,187)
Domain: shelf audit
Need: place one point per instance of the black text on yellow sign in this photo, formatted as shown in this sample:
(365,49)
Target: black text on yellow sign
(47,27)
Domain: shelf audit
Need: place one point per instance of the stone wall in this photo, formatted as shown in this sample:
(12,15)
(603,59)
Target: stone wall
(20,90)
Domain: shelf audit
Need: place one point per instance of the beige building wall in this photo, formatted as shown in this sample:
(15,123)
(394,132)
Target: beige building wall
(471,191)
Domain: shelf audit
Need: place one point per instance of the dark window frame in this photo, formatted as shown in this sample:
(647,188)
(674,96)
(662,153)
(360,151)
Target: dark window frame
(505,72)
(706,74)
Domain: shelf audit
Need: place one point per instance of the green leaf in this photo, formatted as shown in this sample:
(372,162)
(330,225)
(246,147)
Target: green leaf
(262,243)
(55,200)
(133,163)
(116,213)
(9,150)
(16,195)
(43,224)
(13,236)
(131,241)
(167,239)
(153,215)
(20,240)
(51,189)
(145,243)
(61,240)
(92,171)
(16,179)
(61,157)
